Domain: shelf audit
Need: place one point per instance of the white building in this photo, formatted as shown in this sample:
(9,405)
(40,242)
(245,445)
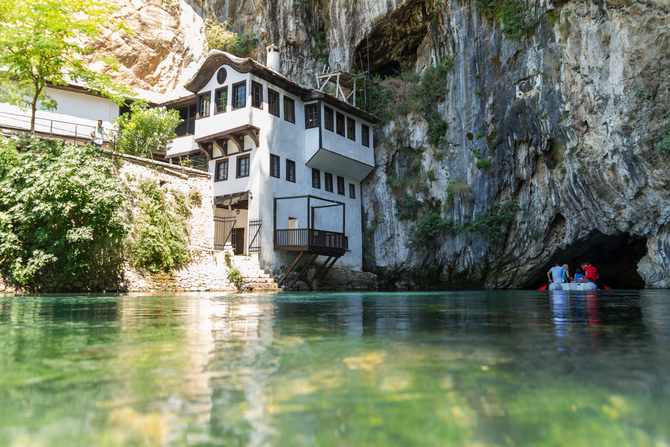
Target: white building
(287,162)
(75,116)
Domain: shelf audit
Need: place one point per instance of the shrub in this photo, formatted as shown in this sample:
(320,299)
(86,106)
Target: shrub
(61,215)
(234,275)
(220,37)
(494,221)
(407,208)
(517,16)
(142,130)
(458,189)
(483,164)
(422,235)
(159,240)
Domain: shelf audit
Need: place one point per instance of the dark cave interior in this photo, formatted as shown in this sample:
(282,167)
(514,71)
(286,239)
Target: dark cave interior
(393,43)
(615,257)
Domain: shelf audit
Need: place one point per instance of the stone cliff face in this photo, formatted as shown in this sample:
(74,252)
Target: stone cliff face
(564,120)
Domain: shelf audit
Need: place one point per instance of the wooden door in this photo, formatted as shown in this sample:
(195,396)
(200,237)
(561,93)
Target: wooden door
(239,241)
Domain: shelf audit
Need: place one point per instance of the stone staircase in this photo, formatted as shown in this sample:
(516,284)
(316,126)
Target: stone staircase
(255,279)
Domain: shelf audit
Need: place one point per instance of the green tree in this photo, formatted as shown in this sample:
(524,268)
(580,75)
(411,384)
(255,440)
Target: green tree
(46,42)
(144,130)
(61,215)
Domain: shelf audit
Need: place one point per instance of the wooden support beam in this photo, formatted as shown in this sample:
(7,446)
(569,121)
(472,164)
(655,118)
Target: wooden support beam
(304,269)
(331,264)
(323,266)
(290,269)
(254,133)
(238,140)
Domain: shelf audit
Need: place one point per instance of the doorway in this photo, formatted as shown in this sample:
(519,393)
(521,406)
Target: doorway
(239,241)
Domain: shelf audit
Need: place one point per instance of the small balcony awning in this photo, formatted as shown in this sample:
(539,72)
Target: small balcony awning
(236,135)
(236,201)
(335,163)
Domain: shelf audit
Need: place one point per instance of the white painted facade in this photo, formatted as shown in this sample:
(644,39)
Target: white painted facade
(308,148)
(76,114)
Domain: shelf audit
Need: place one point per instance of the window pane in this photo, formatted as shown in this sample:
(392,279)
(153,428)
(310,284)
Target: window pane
(256,95)
(243,166)
(328,182)
(316,178)
(239,95)
(311,116)
(289,110)
(274,166)
(273,102)
(328,118)
(205,101)
(340,185)
(290,171)
(340,124)
(352,190)
(221,100)
(222,170)
(366,135)
(351,129)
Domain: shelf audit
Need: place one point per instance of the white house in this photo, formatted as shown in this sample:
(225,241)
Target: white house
(75,116)
(287,162)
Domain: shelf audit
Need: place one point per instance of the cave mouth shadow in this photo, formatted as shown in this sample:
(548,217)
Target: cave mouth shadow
(615,257)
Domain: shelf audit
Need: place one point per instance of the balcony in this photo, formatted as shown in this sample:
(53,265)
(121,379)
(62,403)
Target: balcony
(314,241)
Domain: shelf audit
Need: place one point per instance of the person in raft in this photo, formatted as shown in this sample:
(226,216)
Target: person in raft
(590,272)
(566,273)
(578,276)
(555,274)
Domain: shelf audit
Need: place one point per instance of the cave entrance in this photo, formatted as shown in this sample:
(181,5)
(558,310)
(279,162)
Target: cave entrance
(392,45)
(615,257)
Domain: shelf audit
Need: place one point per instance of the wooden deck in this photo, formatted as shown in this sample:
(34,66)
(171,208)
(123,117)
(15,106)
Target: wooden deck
(312,241)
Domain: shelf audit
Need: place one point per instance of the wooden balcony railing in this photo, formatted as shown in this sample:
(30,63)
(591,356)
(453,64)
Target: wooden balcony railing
(316,241)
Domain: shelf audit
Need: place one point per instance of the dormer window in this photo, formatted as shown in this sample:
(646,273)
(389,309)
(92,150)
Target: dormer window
(311,116)
(221,99)
(204,102)
(239,95)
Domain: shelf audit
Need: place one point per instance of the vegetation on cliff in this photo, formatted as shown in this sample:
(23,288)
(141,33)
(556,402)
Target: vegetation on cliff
(221,36)
(159,238)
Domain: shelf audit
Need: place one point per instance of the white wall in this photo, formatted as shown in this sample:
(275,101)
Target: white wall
(286,140)
(76,114)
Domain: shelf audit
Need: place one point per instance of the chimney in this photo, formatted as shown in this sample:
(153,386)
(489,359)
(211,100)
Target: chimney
(274,62)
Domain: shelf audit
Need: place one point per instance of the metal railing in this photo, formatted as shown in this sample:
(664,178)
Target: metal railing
(304,237)
(186,127)
(46,126)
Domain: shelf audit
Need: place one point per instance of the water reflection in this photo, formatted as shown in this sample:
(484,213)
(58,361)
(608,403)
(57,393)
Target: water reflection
(466,368)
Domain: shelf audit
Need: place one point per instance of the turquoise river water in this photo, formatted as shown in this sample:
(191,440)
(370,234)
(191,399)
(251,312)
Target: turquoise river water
(503,368)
